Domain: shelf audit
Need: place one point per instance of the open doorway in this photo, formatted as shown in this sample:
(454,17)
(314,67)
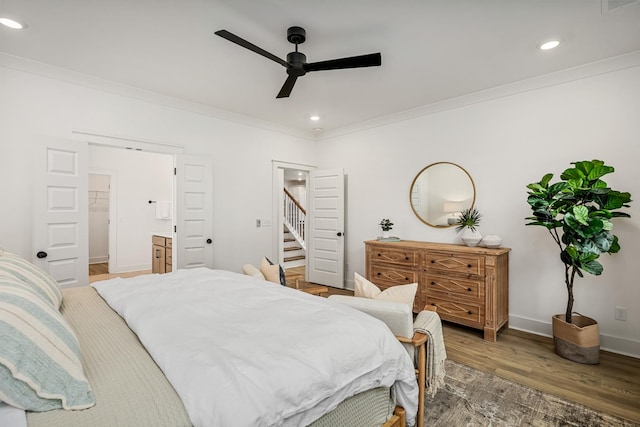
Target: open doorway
(122,220)
(98,197)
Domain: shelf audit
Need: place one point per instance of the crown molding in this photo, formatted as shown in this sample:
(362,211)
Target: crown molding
(605,66)
(73,77)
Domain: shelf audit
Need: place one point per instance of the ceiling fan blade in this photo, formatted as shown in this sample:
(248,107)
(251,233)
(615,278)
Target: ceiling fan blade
(252,47)
(287,87)
(370,60)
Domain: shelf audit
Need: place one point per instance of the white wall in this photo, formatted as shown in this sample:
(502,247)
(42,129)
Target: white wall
(506,143)
(35,109)
(137,177)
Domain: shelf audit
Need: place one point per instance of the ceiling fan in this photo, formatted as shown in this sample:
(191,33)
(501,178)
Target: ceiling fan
(296,64)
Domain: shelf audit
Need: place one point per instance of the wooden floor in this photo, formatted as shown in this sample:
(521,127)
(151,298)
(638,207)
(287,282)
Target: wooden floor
(612,387)
(101,272)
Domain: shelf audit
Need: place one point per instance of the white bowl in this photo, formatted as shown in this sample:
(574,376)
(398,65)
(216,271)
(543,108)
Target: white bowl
(492,241)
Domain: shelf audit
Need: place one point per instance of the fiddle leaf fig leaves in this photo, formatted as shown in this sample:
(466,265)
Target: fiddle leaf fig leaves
(577,211)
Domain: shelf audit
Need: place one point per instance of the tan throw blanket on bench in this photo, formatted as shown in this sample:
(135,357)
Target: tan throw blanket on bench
(429,323)
(129,387)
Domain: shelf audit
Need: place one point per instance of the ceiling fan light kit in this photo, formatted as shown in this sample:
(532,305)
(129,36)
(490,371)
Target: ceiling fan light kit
(296,63)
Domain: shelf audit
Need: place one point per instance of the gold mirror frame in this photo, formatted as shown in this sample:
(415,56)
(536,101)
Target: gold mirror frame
(440,191)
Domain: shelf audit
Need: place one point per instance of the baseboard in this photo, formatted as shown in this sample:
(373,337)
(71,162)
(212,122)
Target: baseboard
(99,259)
(129,268)
(610,343)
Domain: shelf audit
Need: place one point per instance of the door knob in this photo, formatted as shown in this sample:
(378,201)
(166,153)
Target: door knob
(339,234)
(209,241)
(41,254)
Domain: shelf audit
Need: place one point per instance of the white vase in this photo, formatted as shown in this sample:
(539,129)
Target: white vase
(471,237)
(385,234)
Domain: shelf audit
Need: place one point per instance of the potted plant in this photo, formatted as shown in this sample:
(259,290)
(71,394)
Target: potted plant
(386,226)
(468,221)
(577,213)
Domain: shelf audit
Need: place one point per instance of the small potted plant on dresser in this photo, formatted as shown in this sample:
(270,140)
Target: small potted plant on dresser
(577,213)
(469,220)
(386,226)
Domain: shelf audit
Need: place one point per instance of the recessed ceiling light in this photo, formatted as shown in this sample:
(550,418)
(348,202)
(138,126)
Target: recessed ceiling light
(12,23)
(315,118)
(318,129)
(549,45)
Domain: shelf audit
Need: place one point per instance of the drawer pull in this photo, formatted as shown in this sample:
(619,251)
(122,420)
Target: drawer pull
(406,278)
(379,273)
(433,262)
(469,289)
(406,258)
(433,283)
(469,312)
(379,254)
(468,265)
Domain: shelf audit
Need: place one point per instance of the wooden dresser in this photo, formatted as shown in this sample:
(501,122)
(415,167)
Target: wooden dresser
(161,255)
(468,285)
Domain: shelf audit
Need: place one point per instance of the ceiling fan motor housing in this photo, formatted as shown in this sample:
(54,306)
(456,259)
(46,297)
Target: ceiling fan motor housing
(297,61)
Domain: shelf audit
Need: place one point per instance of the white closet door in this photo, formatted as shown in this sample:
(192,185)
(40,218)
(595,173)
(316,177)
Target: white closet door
(194,212)
(60,229)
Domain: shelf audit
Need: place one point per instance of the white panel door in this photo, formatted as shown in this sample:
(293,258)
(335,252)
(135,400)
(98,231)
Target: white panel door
(325,256)
(194,212)
(60,230)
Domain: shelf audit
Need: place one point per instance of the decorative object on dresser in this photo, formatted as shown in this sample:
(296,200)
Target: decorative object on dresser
(439,192)
(581,205)
(386,226)
(468,221)
(161,255)
(491,241)
(468,285)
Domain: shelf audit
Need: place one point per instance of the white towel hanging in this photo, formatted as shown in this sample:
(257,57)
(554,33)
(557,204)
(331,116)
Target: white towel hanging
(163,209)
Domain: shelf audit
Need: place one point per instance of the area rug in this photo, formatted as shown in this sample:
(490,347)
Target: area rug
(475,398)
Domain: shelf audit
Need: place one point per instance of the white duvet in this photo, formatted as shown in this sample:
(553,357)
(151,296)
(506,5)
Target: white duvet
(243,352)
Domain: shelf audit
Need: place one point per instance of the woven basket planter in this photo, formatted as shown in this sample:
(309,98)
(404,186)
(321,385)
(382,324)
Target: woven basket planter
(578,341)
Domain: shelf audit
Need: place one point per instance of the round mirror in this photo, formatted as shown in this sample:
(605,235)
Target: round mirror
(440,192)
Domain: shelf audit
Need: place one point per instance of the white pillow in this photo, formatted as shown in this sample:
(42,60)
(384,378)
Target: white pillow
(401,293)
(252,270)
(269,271)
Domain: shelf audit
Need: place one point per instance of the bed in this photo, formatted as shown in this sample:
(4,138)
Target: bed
(215,348)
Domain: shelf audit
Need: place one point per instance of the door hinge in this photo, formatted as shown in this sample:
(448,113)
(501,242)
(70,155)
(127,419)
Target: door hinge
(175,229)
(175,171)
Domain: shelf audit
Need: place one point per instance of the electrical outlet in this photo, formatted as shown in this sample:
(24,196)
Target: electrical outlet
(621,313)
(257,223)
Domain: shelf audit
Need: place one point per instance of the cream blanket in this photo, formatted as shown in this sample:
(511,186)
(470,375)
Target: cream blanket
(428,323)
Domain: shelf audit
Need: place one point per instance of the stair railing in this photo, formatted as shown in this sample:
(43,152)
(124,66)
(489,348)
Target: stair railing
(294,218)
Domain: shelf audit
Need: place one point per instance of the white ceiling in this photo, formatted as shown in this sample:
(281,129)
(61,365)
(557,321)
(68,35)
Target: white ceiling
(432,50)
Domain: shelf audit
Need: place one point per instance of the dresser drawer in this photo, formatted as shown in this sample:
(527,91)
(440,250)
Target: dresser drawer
(394,256)
(451,286)
(469,314)
(389,276)
(454,263)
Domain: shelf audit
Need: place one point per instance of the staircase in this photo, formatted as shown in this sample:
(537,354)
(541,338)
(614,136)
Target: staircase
(294,254)
(294,246)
